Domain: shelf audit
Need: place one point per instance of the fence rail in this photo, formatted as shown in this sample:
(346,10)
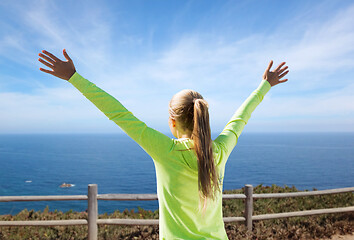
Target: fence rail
(42,198)
(93,220)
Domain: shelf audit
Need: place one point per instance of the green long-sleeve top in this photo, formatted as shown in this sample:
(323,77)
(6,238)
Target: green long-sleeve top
(176,164)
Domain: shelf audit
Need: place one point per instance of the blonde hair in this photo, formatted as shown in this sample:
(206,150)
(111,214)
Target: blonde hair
(189,109)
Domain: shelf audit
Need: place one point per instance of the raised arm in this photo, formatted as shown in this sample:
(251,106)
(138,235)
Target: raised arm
(153,142)
(227,140)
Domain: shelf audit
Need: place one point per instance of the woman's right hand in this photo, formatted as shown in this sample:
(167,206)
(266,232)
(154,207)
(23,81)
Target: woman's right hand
(274,77)
(60,69)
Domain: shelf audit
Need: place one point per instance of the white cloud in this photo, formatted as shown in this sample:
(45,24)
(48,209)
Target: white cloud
(327,46)
(337,104)
(50,110)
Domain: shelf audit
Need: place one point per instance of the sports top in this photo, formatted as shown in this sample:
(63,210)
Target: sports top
(176,164)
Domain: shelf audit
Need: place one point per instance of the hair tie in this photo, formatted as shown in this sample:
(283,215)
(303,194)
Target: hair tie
(201,100)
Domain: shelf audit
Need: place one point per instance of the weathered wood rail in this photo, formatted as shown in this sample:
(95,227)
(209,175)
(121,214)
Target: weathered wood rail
(92,197)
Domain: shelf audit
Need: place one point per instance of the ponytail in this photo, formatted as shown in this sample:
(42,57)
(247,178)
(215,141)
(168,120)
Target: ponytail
(190,109)
(207,175)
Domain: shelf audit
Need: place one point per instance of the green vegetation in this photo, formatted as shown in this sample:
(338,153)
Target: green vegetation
(313,227)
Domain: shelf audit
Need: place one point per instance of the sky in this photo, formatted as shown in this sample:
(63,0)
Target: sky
(143,52)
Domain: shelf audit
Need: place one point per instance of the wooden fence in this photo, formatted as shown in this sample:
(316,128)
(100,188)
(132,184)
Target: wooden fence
(93,220)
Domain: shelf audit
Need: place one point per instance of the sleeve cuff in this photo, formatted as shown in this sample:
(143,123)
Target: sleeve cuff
(264,87)
(79,82)
(74,77)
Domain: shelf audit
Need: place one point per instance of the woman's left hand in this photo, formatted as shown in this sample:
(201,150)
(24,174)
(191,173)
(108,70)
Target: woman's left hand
(60,69)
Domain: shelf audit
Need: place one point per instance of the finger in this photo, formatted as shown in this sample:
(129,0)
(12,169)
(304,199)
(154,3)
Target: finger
(282,81)
(280,65)
(282,75)
(51,55)
(46,63)
(282,70)
(67,56)
(270,65)
(46,71)
(46,58)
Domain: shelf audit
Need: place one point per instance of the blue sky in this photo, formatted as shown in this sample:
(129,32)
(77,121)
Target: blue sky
(143,52)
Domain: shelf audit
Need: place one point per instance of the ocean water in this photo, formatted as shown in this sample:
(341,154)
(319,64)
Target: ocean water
(39,164)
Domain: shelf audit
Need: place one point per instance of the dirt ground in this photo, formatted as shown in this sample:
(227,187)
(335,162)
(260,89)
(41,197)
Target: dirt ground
(341,237)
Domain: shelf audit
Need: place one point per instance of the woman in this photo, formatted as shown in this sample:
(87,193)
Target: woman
(189,169)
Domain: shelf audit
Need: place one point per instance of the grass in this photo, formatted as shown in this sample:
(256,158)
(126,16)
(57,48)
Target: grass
(313,227)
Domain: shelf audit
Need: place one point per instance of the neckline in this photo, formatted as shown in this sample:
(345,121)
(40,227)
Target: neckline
(183,139)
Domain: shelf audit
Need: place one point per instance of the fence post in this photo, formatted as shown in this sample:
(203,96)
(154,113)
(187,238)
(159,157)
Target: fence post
(249,206)
(92,212)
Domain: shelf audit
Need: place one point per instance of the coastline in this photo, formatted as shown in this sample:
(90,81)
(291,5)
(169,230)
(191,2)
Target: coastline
(312,227)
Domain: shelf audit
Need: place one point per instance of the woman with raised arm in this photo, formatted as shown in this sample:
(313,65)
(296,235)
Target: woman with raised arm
(189,169)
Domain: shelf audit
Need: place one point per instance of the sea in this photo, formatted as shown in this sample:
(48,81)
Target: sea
(37,164)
